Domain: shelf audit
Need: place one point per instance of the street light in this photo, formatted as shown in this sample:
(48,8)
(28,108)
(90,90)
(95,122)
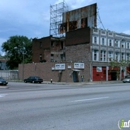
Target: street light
(90,61)
(22,51)
(23,63)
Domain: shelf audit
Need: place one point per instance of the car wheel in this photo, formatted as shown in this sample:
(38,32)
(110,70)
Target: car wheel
(25,81)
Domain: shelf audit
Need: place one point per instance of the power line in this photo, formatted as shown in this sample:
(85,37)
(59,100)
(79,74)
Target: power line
(99,18)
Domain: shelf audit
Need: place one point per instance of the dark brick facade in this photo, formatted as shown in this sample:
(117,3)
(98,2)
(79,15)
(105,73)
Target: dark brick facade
(79,36)
(74,48)
(48,49)
(44,70)
(78,53)
(40,49)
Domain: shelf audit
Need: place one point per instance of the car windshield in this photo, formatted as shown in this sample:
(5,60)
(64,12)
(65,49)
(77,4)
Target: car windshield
(127,78)
(1,79)
(34,77)
(37,77)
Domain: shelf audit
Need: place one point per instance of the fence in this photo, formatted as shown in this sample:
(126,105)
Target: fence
(9,74)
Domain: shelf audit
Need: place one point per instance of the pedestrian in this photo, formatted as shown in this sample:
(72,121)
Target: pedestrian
(82,78)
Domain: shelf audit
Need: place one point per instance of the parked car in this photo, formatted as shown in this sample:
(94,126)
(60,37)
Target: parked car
(126,80)
(3,81)
(127,76)
(33,79)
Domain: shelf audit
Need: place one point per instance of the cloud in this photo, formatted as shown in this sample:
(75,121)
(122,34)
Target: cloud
(23,17)
(24,11)
(32,18)
(127,32)
(73,4)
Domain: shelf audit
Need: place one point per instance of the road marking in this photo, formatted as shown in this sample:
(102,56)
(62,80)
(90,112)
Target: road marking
(90,99)
(2,95)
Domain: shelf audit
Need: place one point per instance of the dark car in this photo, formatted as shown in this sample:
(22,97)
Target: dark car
(33,79)
(127,76)
(3,81)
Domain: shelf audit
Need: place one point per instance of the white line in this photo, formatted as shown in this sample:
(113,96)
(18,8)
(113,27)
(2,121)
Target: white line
(2,95)
(90,99)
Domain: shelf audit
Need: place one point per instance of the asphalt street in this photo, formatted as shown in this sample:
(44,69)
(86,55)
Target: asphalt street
(64,107)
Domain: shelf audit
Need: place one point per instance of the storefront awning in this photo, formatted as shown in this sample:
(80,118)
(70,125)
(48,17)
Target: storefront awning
(76,70)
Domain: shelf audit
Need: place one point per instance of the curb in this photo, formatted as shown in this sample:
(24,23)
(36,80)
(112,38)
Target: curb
(82,83)
(6,87)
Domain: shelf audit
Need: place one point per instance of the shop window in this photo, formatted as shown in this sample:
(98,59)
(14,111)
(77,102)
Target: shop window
(40,57)
(95,40)
(62,56)
(62,45)
(116,43)
(95,55)
(128,45)
(103,55)
(40,44)
(110,42)
(122,56)
(103,41)
(52,44)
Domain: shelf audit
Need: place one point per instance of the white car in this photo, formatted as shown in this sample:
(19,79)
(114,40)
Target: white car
(126,80)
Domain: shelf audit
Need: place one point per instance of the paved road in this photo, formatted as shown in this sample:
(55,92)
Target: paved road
(64,107)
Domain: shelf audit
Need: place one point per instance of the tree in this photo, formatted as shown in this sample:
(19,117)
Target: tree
(118,64)
(18,49)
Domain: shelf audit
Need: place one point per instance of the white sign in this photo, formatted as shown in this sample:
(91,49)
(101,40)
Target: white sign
(79,65)
(59,66)
(69,66)
(99,69)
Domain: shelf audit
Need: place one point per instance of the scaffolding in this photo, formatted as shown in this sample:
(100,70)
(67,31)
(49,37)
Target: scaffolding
(56,12)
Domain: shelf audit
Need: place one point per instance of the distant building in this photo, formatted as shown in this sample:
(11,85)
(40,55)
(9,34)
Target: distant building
(3,65)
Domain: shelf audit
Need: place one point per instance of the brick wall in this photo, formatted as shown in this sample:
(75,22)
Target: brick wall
(44,70)
(44,47)
(39,47)
(78,36)
(78,53)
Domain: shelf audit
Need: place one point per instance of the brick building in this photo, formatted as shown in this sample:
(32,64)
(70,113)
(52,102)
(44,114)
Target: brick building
(107,46)
(83,53)
(48,49)
(49,52)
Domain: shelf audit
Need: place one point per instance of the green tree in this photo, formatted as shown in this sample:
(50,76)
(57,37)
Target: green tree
(18,49)
(121,63)
(118,64)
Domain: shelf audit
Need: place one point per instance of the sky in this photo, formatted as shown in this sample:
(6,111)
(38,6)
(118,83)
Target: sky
(31,18)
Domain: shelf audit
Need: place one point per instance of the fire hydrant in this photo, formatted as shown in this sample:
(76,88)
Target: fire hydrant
(51,80)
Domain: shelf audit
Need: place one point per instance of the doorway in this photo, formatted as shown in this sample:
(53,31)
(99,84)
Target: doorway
(113,75)
(75,76)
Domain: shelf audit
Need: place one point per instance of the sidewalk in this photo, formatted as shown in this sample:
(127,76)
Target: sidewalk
(82,83)
(72,83)
(3,86)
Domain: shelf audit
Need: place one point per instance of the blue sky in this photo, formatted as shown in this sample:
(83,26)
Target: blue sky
(31,18)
